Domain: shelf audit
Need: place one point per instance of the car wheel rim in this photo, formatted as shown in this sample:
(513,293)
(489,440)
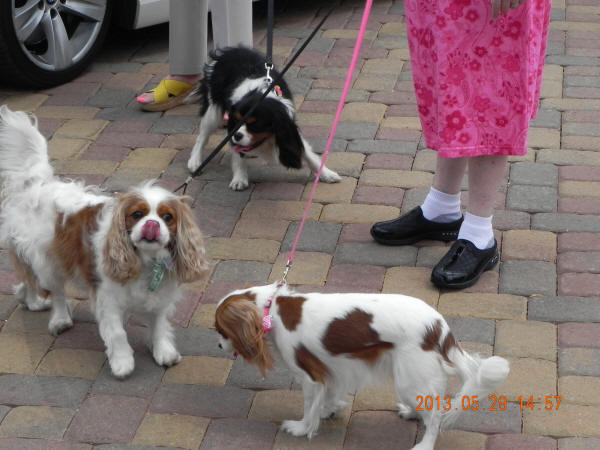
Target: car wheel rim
(57,34)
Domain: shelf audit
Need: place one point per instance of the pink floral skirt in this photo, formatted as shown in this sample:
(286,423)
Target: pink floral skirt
(477,79)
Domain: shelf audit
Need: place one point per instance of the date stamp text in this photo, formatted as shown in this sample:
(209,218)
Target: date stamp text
(496,403)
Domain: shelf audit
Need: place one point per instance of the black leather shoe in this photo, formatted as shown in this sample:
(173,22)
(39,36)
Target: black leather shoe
(464,263)
(413,227)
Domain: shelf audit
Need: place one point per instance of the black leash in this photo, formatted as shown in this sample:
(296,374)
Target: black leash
(270,27)
(272,84)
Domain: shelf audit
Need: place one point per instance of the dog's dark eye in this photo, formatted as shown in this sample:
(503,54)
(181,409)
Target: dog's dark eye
(137,215)
(167,217)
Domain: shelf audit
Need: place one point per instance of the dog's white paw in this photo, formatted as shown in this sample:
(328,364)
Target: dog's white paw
(165,354)
(40,304)
(59,323)
(122,365)
(329,176)
(406,412)
(239,184)
(295,427)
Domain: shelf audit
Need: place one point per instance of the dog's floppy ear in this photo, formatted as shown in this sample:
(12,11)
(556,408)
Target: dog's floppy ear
(239,319)
(188,248)
(121,263)
(287,136)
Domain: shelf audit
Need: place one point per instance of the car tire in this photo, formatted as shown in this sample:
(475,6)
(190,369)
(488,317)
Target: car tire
(79,29)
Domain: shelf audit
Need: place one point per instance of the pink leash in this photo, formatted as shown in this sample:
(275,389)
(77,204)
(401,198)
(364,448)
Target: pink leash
(347,85)
(266,322)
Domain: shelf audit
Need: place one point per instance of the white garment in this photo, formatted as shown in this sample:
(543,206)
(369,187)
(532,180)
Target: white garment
(188,30)
(477,230)
(441,207)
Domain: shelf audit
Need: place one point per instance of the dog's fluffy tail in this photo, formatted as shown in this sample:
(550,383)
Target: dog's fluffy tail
(480,377)
(23,152)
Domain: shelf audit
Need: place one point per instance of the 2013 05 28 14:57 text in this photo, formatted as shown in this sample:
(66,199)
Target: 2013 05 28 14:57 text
(496,402)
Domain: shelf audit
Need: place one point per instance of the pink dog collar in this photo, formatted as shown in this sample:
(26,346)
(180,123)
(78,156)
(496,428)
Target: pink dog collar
(266,320)
(240,149)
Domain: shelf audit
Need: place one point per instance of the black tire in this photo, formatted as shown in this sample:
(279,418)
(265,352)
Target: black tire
(17,67)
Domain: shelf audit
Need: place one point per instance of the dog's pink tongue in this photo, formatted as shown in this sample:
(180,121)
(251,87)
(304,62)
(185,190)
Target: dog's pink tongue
(151,230)
(240,149)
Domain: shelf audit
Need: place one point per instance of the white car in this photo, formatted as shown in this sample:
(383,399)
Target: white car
(48,42)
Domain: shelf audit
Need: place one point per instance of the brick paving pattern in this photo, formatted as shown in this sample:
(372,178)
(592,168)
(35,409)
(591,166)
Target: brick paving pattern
(540,308)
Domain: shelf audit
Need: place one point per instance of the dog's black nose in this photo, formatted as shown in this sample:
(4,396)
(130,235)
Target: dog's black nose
(220,346)
(238,136)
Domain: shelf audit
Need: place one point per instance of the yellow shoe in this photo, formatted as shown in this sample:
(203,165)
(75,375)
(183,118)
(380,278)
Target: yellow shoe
(167,95)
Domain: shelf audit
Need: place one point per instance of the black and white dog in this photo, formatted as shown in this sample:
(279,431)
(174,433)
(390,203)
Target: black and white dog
(233,82)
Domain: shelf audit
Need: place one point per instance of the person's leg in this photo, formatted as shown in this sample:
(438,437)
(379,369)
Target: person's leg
(232,23)
(442,203)
(485,176)
(449,173)
(188,29)
(476,250)
(188,37)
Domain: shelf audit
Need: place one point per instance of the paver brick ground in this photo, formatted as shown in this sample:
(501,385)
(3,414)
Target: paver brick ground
(107,418)
(581,390)
(540,307)
(526,339)
(171,430)
(36,422)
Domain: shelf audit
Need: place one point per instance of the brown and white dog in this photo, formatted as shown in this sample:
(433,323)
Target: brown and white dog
(133,251)
(337,343)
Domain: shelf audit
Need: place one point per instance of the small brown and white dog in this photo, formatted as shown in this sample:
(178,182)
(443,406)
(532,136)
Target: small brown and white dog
(337,343)
(133,251)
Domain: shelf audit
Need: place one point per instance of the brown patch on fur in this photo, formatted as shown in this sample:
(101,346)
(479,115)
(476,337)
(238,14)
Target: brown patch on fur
(353,335)
(290,311)
(167,211)
(248,296)
(447,345)
(239,117)
(237,318)
(121,263)
(187,248)
(431,341)
(72,244)
(313,366)
(140,206)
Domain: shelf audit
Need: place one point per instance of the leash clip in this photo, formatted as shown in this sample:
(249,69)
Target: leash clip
(269,78)
(283,280)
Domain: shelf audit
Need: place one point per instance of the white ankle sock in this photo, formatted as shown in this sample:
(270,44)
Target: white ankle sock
(441,207)
(477,230)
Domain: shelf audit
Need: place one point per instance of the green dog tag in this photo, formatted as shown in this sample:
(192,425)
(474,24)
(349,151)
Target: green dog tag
(158,273)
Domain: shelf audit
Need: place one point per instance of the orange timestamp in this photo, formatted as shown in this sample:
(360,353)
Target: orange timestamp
(496,402)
